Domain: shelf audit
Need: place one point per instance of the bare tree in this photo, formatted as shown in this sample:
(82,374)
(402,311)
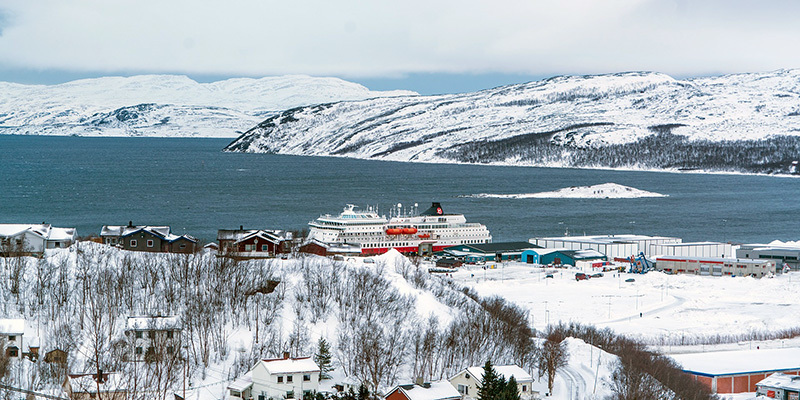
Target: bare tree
(553,355)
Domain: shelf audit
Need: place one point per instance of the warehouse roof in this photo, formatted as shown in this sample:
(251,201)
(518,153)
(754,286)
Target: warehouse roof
(608,239)
(491,248)
(739,362)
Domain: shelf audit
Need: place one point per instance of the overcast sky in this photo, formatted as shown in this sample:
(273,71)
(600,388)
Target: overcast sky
(428,46)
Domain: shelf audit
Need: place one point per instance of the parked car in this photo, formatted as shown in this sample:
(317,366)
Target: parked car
(630,280)
(580,276)
(548,276)
(369,260)
(597,275)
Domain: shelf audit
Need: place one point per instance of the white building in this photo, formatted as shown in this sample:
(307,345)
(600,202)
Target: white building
(695,249)
(468,380)
(11,332)
(153,336)
(615,247)
(34,238)
(282,378)
(715,266)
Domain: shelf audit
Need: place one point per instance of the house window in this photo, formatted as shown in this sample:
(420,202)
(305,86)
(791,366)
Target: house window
(149,242)
(169,334)
(182,246)
(151,334)
(306,378)
(13,352)
(133,243)
(138,351)
(463,389)
(12,337)
(524,388)
(290,394)
(280,379)
(288,379)
(138,334)
(264,247)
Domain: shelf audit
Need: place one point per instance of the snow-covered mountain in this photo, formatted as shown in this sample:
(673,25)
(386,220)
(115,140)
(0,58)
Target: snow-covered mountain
(746,122)
(163,105)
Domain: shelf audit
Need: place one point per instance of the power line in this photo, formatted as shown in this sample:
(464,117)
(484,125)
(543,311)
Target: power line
(26,391)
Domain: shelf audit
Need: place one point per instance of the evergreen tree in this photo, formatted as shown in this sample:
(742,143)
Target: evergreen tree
(510,391)
(323,358)
(490,385)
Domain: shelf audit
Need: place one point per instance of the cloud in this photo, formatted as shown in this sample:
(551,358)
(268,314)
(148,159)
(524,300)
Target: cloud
(352,38)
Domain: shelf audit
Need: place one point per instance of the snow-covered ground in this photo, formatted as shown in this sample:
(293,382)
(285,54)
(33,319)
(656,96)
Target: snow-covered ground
(602,191)
(654,306)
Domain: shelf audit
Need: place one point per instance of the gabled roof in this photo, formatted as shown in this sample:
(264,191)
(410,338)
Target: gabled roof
(159,231)
(241,383)
(507,371)
(153,323)
(44,231)
(12,326)
(437,391)
(290,365)
(271,236)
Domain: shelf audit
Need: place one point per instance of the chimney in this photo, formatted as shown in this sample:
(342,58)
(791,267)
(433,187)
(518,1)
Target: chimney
(241,227)
(285,355)
(419,381)
(130,224)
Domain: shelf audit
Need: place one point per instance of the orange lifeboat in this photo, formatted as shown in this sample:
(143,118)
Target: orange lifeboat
(424,236)
(394,231)
(410,231)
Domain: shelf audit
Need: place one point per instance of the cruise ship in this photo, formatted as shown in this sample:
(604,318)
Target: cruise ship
(408,231)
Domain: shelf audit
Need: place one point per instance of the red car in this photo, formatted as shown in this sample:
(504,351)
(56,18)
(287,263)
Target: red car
(580,276)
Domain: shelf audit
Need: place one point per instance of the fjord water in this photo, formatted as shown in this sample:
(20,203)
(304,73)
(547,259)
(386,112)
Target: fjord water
(194,187)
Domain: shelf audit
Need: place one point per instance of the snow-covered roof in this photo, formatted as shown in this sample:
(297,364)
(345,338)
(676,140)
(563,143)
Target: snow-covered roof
(608,239)
(584,253)
(437,391)
(739,362)
(153,323)
(507,371)
(290,365)
(241,383)
(86,383)
(714,259)
(12,326)
(124,230)
(782,381)
(45,231)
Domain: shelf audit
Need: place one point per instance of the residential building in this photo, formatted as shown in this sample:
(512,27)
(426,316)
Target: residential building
(779,386)
(33,239)
(11,333)
(467,381)
(738,371)
(424,391)
(282,378)
(253,243)
(153,336)
(108,386)
(156,239)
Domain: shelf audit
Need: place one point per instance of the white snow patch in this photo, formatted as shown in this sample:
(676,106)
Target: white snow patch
(603,191)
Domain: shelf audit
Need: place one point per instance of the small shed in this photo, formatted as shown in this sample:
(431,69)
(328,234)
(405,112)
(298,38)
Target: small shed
(738,371)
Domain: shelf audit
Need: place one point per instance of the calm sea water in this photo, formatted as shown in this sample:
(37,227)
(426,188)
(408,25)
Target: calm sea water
(194,187)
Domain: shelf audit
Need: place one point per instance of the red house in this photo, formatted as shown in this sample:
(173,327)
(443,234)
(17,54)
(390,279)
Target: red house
(253,243)
(425,391)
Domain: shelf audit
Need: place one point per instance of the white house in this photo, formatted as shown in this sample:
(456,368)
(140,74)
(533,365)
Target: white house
(282,378)
(468,380)
(29,239)
(109,385)
(153,336)
(11,331)
(426,391)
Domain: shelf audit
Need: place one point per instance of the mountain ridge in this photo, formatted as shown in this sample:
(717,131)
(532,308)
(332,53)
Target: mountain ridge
(641,119)
(87,107)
